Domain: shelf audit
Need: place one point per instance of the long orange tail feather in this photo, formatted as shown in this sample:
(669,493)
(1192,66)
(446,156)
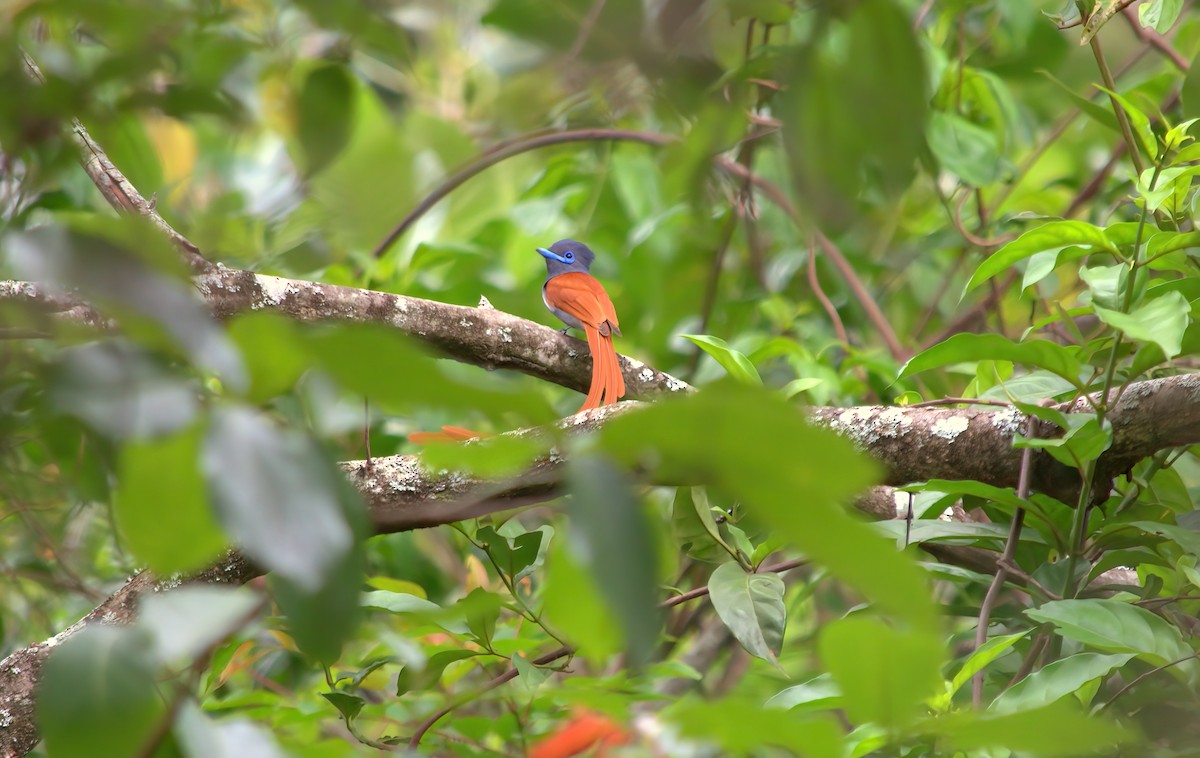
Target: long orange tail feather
(599,379)
(448,434)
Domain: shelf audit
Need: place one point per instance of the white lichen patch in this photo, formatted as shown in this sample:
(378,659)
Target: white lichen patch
(402,304)
(1008,421)
(506,334)
(645,375)
(572,352)
(274,291)
(949,427)
(675,385)
(6,718)
(465,323)
(893,422)
(859,425)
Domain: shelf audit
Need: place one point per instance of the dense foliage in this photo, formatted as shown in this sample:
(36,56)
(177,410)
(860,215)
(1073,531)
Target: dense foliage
(840,204)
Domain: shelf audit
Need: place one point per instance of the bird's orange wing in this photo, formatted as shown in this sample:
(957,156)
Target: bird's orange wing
(583,297)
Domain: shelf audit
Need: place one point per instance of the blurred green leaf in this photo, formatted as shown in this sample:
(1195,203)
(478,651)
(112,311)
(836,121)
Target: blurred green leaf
(610,533)
(751,605)
(752,446)
(1053,730)
(326,114)
(276,496)
(965,149)
(855,110)
(120,391)
(885,674)
(743,727)
(97,697)
(492,457)
(413,678)
(573,603)
(186,621)
(163,475)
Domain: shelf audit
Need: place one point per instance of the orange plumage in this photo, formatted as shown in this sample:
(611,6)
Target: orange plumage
(582,297)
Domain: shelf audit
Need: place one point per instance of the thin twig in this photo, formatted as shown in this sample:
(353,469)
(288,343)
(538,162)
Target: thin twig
(1154,39)
(1002,571)
(415,741)
(873,312)
(1137,680)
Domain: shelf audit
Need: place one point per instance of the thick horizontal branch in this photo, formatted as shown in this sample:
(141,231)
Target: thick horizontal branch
(917,444)
(912,444)
(482,336)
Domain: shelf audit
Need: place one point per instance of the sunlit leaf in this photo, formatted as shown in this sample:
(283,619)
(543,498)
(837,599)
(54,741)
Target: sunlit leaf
(1057,729)
(733,361)
(1052,236)
(960,348)
(1162,321)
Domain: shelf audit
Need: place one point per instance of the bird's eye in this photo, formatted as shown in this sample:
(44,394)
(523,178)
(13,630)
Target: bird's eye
(569,256)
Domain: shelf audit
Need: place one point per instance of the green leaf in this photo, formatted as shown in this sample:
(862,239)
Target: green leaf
(276,495)
(1116,627)
(818,693)
(755,448)
(348,705)
(573,603)
(1053,730)
(751,605)
(492,457)
(869,74)
(412,678)
(694,528)
(273,351)
(885,674)
(609,531)
(1162,321)
(1160,14)
(398,602)
(97,697)
(1085,440)
(1055,358)
(481,609)
(1139,122)
(991,650)
(325,111)
(514,556)
(742,727)
(965,149)
(1053,236)
(321,619)
(1057,680)
(153,474)
(185,621)
(735,363)
(1189,93)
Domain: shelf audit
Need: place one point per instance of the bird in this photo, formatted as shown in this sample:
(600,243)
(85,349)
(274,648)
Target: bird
(579,300)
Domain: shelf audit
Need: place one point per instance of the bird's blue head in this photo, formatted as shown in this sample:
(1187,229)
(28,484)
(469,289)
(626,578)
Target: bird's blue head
(567,255)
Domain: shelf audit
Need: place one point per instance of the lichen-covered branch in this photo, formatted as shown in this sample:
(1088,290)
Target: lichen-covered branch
(912,444)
